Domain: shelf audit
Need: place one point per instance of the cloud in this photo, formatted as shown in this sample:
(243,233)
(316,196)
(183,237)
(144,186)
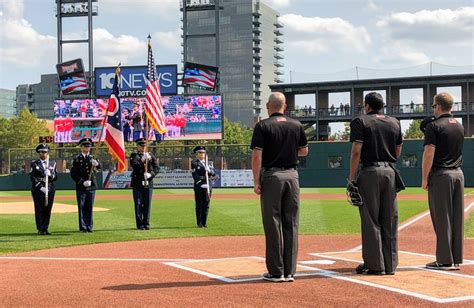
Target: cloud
(278,3)
(316,34)
(398,54)
(21,44)
(110,49)
(372,6)
(168,9)
(437,26)
(170,40)
(12,8)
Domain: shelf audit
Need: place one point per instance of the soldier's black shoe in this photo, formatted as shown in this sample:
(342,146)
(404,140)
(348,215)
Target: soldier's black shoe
(146,227)
(40,233)
(199,226)
(83,231)
(204,226)
(90,231)
(141,228)
(46,232)
(361,269)
(375,273)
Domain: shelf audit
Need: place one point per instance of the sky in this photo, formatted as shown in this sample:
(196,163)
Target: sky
(321,38)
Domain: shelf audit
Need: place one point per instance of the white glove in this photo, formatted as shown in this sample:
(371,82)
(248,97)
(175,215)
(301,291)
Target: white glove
(94,162)
(87,183)
(47,172)
(146,156)
(204,186)
(147,175)
(43,190)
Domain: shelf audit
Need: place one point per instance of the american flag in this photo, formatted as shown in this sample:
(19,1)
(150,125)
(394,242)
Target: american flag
(153,105)
(202,77)
(113,133)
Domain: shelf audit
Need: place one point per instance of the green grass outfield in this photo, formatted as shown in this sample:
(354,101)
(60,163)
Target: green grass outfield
(175,218)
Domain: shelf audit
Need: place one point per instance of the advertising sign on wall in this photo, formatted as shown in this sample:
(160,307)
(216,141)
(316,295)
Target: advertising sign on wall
(133,80)
(180,179)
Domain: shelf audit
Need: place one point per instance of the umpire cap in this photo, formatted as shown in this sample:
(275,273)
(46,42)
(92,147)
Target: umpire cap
(199,149)
(42,147)
(85,142)
(425,122)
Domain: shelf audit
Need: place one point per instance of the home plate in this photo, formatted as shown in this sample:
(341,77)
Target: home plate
(320,262)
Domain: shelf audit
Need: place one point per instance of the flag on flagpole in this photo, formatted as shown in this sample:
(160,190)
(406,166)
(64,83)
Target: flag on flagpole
(153,104)
(113,132)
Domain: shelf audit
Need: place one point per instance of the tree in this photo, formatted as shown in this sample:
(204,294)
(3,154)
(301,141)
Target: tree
(344,135)
(236,133)
(413,131)
(22,131)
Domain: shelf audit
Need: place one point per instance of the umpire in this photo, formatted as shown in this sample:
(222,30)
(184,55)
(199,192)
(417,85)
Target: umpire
(202,185)
(142,183)
(443,178)
(41,170)
(84,166)
(276,144)
(376,143)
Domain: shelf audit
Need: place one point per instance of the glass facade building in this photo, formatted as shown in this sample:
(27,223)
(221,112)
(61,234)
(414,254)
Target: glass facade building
(7,103)
(250,45)
(39,97)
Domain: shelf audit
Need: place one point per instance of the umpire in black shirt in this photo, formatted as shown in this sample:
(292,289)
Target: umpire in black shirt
(276,143)
(376,143)
(142,183)
(443,178)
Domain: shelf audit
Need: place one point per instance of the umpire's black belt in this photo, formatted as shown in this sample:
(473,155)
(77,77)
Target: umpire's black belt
(377,164)
(436,168)
(278,168)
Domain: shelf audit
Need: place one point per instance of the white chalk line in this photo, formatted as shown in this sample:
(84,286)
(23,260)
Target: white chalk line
(88,259)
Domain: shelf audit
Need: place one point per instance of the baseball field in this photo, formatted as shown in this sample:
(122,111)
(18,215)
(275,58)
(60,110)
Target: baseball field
(177,264)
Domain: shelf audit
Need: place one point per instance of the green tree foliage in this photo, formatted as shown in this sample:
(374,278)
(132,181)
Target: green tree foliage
(413,131)
(22,131)
(342,136)
(236,133)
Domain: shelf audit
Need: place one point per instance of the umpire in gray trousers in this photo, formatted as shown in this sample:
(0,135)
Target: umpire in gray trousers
(376,143)
(443,178)
(276,144)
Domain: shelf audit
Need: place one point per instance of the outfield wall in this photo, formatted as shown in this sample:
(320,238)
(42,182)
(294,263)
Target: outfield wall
(327,165)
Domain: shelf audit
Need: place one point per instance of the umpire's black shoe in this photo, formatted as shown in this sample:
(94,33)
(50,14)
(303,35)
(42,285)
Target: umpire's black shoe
(374,273)
(361,269)
(441,267)
(289,278)
(273,278)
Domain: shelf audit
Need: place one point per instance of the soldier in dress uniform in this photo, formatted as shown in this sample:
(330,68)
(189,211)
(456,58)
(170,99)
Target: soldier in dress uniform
(83,171)
(142,183)
(43,171)
(202,185)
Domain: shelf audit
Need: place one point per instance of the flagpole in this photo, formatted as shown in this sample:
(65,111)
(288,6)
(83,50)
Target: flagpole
(146,125)
(97,145)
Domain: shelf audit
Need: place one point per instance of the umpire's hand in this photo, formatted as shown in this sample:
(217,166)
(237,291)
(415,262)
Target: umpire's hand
(257,189)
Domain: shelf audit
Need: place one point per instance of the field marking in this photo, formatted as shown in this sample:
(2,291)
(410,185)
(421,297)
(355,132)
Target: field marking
(469,207)
(327,255)
(230,280)
(335,275)
(88,259)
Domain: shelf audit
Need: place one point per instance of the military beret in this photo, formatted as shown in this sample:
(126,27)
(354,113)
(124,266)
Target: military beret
(85,142)
(425,122)
(42,147)
(141,141)
(199,149)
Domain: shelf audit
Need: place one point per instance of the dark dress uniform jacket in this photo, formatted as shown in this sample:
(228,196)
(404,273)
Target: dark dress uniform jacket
(38,178)
(80,171)
(139,169)
(199,174)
